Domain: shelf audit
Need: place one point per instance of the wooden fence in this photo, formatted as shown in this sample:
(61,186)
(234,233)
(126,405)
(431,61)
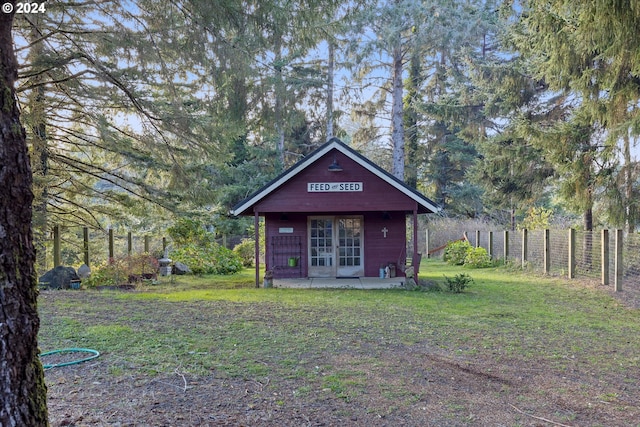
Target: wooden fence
(609,256)
(110,243)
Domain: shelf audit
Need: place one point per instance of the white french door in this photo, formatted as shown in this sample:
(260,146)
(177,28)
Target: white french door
(336,246)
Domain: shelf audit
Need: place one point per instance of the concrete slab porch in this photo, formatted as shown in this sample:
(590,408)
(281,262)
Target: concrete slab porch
(340,283)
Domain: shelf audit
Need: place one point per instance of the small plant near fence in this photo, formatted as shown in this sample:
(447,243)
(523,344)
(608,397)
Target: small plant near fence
(458,283)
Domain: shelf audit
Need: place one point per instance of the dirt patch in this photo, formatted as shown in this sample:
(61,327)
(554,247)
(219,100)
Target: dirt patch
(364,383)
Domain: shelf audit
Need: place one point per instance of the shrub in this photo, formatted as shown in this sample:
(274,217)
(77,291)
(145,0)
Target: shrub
(210,258)
(246,250)
(477,258)
(186,231)
(459,283)
(456,252)
(121,270)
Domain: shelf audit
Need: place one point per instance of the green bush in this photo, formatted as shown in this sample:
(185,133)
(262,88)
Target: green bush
(122,270)
(477,258)
(186,231)
(246,250)
(456,252)
(210,258)
(459,283)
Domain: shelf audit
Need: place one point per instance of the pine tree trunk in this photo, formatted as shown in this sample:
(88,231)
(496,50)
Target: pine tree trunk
(397,132)
(411,121)
(279,103)
(39,148)
(23,392)
(629,214)
(330,70)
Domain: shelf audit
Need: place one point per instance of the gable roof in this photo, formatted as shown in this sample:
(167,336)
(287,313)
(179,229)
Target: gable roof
(333,143)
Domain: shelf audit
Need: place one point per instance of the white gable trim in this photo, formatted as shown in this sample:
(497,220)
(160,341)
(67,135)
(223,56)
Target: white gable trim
(307,161)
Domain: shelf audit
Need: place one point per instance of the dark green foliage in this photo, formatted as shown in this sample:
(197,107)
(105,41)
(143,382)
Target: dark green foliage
(246,250)
(208,258)
(477,258)
(459,283)
(185,231)
(196,247)
(456,252)
(122,270)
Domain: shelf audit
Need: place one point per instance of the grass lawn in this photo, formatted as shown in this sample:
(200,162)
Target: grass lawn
(512,349)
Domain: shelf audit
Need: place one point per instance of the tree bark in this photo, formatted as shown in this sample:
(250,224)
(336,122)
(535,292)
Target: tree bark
(23,391)
(397,132)
(330,71)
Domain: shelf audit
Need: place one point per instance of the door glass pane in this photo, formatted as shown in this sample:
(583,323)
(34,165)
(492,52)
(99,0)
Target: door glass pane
(321,244)
(349,235)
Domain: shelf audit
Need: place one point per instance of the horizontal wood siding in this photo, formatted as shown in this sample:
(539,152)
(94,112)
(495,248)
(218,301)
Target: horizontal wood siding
(377,195)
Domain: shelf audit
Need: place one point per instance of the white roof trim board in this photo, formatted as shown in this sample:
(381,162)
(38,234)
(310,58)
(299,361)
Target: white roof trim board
(333,143)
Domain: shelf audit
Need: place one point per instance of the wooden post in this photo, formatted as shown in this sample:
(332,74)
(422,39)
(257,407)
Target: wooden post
(571,273)
(547,252)
(477,238)
(426,245)
(415,259)
(129,243)
(146,244)
(256,226)
(604,256)
(617,284)
(506,245)
(490,244)
(85,245)
(164,245)
(525,246)
(56,246)
(111,254)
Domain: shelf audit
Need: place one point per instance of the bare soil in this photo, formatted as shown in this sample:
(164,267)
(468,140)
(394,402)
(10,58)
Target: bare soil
(413,384)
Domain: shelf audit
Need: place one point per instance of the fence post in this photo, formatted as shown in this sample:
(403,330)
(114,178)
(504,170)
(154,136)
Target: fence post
(506,245)
(572,254)
(477,238)
(547,252)
(56,246)
(490,244)
(146,244)
(617,285)
(111,254)
(426,243)
(129,243)
(85,245)
(525,246)
(604,255)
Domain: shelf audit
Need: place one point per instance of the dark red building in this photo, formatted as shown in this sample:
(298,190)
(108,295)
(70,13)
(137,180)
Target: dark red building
(335,214)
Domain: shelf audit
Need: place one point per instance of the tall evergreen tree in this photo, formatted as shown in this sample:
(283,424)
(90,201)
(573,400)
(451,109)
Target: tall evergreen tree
(23,392)
(590,50)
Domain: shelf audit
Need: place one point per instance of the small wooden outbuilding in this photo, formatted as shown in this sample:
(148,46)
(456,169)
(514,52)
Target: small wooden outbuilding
(335,214)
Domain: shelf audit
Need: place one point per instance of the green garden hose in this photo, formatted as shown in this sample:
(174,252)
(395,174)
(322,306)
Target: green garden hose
(93,353)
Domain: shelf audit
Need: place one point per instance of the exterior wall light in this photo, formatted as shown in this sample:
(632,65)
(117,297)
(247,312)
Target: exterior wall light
(335,167)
